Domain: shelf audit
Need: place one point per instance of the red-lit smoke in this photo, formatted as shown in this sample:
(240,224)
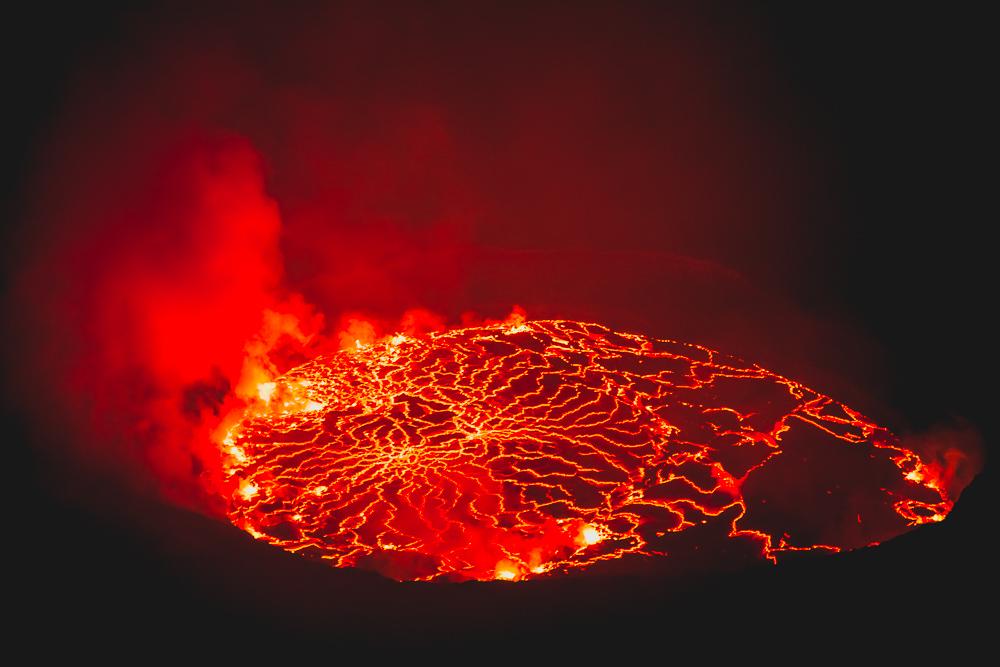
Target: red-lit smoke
(223,197)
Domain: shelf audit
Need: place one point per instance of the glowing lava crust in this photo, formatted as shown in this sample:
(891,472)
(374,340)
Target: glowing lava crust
(526,450)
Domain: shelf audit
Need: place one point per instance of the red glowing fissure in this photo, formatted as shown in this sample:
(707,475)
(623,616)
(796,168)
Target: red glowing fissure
(521,450)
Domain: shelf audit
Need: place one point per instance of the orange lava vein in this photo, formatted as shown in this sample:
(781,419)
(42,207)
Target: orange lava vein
(515,451)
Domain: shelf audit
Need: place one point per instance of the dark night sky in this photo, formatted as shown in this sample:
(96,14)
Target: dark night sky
(889,104)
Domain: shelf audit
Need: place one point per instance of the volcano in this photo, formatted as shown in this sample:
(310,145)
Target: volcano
(531,449)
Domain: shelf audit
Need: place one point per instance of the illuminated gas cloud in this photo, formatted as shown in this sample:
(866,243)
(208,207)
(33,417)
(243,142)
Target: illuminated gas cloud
(529,449)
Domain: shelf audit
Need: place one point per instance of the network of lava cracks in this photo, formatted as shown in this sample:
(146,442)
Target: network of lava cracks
(517,451)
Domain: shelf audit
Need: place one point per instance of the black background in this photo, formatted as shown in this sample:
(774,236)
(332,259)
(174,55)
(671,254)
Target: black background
(897,94)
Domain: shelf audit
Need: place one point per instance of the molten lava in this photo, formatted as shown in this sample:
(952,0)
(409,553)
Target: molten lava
(525,449)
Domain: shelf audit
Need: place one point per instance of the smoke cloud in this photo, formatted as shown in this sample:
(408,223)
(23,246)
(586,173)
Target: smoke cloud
(222,196)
